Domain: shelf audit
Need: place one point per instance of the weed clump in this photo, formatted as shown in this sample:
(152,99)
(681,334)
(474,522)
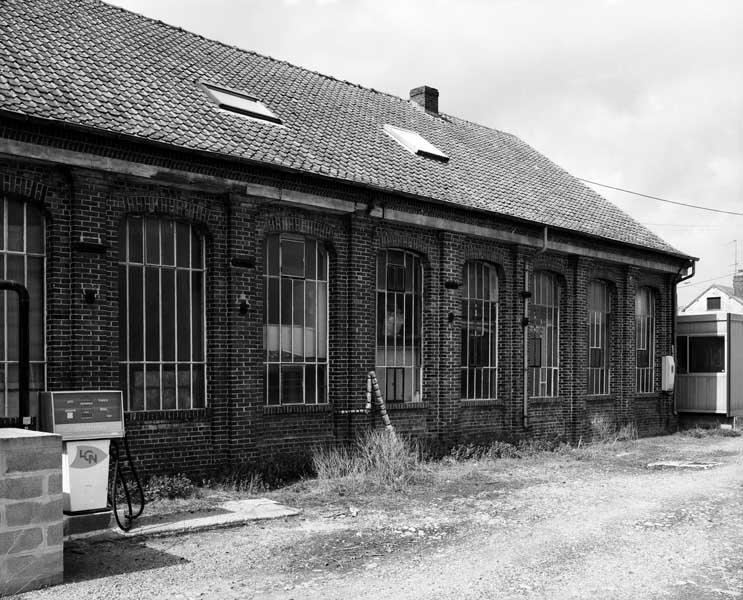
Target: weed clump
(377,459)
(477,452)
(168,487)
(703,432)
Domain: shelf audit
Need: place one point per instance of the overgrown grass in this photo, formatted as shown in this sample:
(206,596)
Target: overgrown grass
(378,459)
(604,430)
(703,432)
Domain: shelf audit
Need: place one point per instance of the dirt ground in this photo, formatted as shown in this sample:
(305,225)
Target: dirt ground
(599,522)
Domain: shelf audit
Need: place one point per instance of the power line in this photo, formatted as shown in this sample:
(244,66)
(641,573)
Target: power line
(716,210)
(707,280)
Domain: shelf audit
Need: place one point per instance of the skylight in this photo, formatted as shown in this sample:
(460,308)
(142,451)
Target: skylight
(241,103)
(414,142)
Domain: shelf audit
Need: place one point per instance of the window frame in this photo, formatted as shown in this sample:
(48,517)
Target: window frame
(645,340)
(476,375)
(274,369)
(544,379)
(714,300)
(598,381)
(684,351)
(197,391)
(415,370)
(6,298)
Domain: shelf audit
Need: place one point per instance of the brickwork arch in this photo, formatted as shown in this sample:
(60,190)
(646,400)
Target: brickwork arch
(304,225)
(25,187)
(171,206)
(405,240)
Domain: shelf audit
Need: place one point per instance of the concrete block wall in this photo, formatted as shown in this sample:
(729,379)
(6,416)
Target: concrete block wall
(30,510)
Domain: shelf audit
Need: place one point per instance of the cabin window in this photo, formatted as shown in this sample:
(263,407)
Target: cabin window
(399,325)
(599,313)
(700,354)
(645,339)
(22,259)
(295,317)
(479,370)
(162,315)
(543,336)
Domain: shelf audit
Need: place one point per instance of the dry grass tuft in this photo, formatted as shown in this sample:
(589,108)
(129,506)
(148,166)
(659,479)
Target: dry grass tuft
(378,459)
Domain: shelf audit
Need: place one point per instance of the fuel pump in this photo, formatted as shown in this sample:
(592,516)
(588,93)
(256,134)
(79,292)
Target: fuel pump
(90,423)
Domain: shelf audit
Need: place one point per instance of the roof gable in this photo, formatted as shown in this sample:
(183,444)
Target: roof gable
(95,65)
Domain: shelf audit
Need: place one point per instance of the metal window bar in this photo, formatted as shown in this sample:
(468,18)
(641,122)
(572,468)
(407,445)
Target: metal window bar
(598,318)
(480,288)
(6,364)
(544,379)
(298,321)
(400,351)
(645,340)
(158,366)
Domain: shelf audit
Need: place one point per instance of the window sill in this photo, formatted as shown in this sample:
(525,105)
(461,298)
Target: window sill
(647,395)
(184,414)
(397,406)
(544,399)
(471,403)
(284,409)
(599,397)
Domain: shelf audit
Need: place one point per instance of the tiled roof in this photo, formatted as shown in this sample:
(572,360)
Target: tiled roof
(96,65)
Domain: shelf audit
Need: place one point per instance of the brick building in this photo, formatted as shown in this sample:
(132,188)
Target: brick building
(235,242)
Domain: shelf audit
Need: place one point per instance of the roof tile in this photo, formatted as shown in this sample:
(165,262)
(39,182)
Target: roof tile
(93,64)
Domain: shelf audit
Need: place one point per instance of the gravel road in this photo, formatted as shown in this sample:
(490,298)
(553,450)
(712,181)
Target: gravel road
(593,524)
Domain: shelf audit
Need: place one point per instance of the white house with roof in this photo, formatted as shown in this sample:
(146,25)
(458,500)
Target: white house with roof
(718,298)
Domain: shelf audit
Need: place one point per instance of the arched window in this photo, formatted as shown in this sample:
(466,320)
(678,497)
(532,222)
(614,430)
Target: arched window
(162,316)
(22,259)
(479,371)
(295,332)
(645,339)
(599,330)
(543,335)
(399,325)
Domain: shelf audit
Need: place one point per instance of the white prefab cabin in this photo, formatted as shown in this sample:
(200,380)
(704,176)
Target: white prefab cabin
(709,369)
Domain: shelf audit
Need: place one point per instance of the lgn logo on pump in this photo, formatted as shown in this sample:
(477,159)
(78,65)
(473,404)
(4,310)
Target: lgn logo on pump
(87,456)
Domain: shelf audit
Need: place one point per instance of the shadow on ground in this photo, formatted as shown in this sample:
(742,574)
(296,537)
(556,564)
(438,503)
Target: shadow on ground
(85,561)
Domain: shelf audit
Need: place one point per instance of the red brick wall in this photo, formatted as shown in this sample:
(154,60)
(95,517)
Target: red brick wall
(237,427)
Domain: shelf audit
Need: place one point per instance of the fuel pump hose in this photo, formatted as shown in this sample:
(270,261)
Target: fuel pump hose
(119,479)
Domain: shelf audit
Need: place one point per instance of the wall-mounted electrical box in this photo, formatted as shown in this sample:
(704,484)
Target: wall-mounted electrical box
(668,373)
(82,415)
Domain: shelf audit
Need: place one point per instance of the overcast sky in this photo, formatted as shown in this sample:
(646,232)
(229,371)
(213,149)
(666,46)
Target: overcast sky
(639,94)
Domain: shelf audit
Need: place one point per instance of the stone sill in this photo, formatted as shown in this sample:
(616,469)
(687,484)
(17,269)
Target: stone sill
(489,403)
(600,398)
(545,400)
(283,409)
(400,406)
(180,415)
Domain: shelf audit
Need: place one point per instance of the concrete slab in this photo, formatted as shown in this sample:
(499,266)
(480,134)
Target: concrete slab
(227,514)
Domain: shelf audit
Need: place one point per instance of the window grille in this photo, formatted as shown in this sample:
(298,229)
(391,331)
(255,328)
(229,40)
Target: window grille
(645,339)
(479,363)
(162,318)
(22,259)
(599,313)
(543,336)
(399,325)
(295,332)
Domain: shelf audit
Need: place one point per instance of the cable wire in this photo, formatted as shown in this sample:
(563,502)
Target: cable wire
(618,189)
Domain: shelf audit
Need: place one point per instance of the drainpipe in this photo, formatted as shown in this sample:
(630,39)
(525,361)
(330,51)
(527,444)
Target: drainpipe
(526,294)
(678,279)
(24,405)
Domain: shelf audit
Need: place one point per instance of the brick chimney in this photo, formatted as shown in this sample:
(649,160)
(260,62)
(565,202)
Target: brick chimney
(427,97)
(738,284)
